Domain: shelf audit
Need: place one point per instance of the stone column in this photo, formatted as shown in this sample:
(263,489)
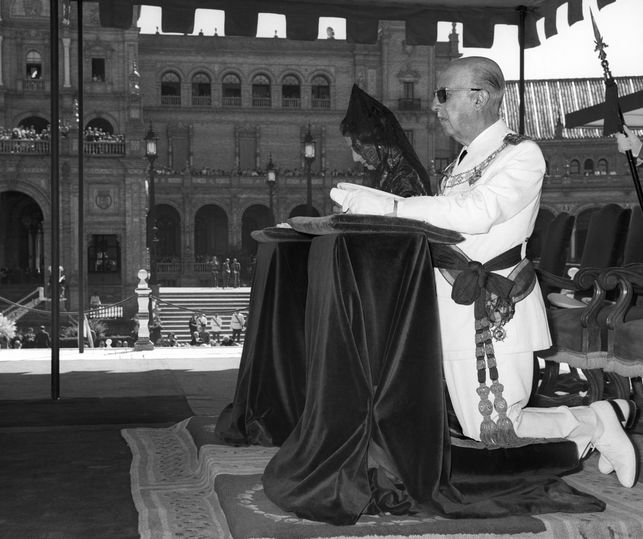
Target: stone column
(67,62)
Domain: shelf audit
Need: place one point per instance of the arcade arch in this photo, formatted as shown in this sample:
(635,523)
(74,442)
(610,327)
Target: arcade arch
(255,217)
(302,210)
(210,232)
(21,239)
(168,224)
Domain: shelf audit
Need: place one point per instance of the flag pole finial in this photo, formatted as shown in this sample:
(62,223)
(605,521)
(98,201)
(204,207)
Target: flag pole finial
(600,48)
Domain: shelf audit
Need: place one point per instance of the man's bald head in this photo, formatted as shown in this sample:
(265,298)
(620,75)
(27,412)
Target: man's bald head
(485,74)
(468,97)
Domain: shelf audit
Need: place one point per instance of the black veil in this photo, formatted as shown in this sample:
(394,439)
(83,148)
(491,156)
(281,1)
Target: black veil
(367,121)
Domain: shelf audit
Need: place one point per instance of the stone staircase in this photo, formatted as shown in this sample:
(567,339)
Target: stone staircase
(178,304)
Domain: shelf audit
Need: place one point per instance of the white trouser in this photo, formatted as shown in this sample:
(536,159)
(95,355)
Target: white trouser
(578,424)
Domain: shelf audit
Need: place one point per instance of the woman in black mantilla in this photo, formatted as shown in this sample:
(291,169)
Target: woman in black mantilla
(379,143)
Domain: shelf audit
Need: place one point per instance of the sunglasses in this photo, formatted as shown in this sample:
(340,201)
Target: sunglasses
(442,95)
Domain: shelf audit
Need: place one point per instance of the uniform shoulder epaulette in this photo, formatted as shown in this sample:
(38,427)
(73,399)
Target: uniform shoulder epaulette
(515,138)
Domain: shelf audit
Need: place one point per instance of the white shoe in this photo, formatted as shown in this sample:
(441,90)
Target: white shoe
(614,444)
(626,413)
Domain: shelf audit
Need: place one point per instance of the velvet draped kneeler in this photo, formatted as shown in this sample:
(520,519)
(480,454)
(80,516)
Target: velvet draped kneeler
(373,433)
(269,396)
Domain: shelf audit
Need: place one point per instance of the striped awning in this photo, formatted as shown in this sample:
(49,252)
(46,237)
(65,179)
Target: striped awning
(362,16)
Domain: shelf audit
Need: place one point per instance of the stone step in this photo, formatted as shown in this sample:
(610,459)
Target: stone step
(177,305)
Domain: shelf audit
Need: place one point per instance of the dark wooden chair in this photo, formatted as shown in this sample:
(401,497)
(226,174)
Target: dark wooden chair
(624,355)
(554,253)
(624,322)
(574,321)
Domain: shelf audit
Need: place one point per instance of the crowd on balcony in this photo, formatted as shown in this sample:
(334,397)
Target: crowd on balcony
(96,134)
(23,133)
(286,172)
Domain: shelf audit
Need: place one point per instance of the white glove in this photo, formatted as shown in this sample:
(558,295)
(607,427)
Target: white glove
(359,201)
(628,141)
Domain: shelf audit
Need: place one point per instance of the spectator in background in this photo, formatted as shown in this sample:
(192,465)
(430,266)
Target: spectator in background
(156,328)
(29,338)
(196,339)
(216,268)
(42,339)
(94,300)
(216,327)
(202,322)
(237,322)
(227,341)
(193,323)
(236,273)
(226,271)
(16,341)
(135,326)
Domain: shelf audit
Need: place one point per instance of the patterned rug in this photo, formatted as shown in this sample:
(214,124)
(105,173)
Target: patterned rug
(216,493)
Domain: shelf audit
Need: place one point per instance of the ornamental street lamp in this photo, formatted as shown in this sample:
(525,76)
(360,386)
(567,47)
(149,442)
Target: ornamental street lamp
(271,180)
(151,152)
(309,156)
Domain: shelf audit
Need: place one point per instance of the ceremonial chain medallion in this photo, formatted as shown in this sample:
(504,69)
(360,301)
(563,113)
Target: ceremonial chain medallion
(499,333)
(473,175)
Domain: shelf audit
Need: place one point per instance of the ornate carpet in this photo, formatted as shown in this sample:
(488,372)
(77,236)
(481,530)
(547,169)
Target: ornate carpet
(216,492)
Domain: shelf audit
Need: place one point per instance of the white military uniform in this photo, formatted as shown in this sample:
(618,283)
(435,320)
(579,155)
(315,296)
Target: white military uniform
(494,214)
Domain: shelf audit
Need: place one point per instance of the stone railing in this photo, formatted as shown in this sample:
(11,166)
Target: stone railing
(24,146)
(104,147)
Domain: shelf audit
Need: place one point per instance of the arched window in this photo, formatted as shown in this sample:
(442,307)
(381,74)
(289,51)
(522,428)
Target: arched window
(100,124)
(201,90)
(170,89)
(34,65)
(320,92)
(588,167)
(603,167)
(261,91)
(231,91)
(574,167)
(290,92)
(35,124)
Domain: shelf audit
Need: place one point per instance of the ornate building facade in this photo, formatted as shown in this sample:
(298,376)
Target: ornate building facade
(224,109)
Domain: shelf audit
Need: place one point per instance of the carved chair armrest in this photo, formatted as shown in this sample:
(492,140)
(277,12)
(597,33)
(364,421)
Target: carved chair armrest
(553,280)
(583,279)
(627,279)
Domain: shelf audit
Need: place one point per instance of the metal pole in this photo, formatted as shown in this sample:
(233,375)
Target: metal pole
(81,186)
(272,206)
(521,77)
(55,198)
(309,188)
(151,234)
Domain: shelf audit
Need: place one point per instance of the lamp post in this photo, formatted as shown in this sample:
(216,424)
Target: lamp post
(271,180)
(151,152)
(309,156)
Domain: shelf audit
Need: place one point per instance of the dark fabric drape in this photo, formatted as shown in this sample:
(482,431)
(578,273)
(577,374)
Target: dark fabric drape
(373,433)
(374,375)
(269,396)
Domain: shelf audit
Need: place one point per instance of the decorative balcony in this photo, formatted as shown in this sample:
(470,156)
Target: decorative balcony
(170,100)
(24,146)
(104,148)
(291,102)
(263,102)
(33,85)
(231,101)
(201,100)
(321,104)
